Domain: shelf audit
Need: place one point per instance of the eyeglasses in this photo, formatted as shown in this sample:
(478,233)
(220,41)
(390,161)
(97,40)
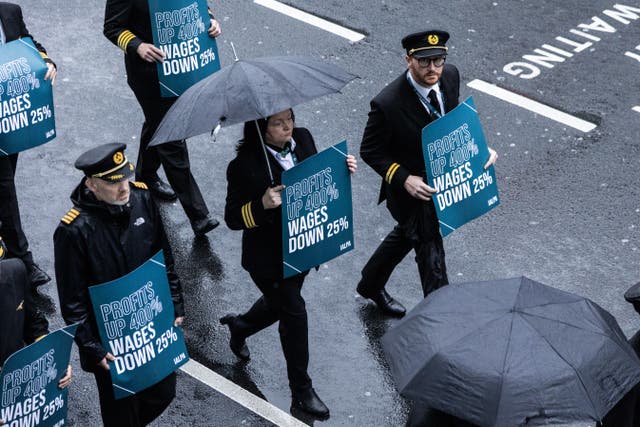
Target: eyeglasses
(437,61)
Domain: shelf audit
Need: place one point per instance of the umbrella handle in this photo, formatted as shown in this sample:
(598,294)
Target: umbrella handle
(266,156)
(215,131)
(235,57)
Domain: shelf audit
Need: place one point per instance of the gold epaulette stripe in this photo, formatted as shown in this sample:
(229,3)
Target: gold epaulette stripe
(247,216)
(124,38)
(391,171)
(70,216)
(140,185)
(43,55)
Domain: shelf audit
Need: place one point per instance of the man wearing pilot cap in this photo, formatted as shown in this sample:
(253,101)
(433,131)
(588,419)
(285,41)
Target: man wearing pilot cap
(113,228)
(392,146)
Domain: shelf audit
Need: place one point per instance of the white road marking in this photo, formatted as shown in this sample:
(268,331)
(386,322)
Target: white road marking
(528,104)
(636,108)
(240,395)
(323,24)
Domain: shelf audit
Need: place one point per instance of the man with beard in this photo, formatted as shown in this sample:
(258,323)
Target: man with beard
(392,146)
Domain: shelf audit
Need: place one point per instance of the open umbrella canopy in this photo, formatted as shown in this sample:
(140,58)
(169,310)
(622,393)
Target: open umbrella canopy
(249,90)
(511,352)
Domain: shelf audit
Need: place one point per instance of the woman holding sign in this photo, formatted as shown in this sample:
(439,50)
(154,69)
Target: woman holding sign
(253,205)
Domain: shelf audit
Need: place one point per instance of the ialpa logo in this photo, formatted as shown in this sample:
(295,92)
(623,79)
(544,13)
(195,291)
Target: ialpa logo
(139,222)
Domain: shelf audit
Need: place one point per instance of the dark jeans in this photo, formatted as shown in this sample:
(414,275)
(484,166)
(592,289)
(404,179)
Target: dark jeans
(429,257)
(173,156)
(137,410)
(11,227)
(281,301)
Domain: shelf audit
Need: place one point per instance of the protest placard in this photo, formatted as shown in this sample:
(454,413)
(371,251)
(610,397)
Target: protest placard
(135,320)
(317,211)
(179,29)
(455,152)
(26,99)
(29,378)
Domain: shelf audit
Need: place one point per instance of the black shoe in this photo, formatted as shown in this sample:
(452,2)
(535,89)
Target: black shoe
(237,344)
(309,402)
(386,303)
(204,225)
(37,277)
(161,190)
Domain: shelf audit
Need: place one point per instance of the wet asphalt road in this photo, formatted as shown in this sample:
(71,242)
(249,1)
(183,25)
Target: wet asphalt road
(570,202)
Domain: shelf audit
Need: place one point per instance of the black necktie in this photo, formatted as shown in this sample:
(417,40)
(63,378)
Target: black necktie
(433,100)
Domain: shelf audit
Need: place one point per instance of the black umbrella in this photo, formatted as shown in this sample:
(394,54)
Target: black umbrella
(249,90)
(511,352)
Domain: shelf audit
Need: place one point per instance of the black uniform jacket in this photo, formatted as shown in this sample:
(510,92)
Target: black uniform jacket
(96,243)
(127,24)
(247,180)
(15,28)
(20,321)
(392,140)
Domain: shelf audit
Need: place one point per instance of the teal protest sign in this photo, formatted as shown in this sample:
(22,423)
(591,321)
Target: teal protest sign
(317,212)
(179,28)
(26,98)
(455,152)
(29,378)
(135,321)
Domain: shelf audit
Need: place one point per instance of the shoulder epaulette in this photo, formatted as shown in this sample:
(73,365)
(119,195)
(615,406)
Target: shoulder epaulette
(70,216)
(140,185)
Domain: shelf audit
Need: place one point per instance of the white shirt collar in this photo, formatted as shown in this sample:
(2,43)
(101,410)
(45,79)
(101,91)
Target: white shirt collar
(285,161)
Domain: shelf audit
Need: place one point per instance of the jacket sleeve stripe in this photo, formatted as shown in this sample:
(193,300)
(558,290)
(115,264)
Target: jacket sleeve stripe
(124,38)
(247,216)
(253,221)
(391,171)
(244,215)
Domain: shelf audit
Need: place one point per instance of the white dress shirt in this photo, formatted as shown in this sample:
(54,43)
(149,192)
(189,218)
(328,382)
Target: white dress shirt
(285,161)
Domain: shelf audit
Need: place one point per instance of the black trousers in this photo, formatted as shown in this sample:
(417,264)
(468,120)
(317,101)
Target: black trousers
(398,243)
(173,155)
(11,227)
(21,322)
(137,410)
(281,301)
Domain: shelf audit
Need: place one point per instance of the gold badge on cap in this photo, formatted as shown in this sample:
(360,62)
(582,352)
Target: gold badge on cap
(433,39)
(118,158)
